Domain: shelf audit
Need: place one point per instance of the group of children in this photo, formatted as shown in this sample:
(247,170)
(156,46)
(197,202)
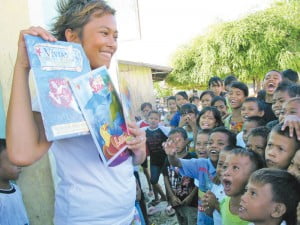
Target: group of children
(232,159)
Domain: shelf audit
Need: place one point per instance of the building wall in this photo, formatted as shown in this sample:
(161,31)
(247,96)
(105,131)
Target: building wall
(140,84)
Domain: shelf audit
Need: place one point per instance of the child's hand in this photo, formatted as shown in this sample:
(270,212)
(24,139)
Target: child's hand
(209,202)
(293,122)
(170,147)
(175,201)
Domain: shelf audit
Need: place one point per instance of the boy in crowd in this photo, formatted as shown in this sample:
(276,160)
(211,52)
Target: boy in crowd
(257,140)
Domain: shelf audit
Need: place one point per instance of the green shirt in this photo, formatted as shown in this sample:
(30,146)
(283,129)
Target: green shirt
(227,217)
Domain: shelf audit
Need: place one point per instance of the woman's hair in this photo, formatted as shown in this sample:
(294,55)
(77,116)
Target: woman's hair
(242,86)
(285,189)
(231,136)
(211,93)
(179,130)
(215,112)
(218,98)
(188,108)
(75,14)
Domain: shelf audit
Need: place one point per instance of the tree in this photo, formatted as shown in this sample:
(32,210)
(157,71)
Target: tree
(248,48)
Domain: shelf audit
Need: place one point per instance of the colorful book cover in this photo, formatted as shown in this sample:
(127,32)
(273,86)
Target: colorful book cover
(101,107)
(53,64)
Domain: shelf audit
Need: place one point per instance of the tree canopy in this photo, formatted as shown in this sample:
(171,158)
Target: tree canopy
(249,47)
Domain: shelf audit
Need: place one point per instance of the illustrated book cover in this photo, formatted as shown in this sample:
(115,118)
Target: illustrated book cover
(102,109)
(53,65)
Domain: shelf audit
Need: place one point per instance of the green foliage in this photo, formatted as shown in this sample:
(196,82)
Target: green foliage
(248,48)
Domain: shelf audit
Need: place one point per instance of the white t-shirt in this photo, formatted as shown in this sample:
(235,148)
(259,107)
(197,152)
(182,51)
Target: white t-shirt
(239,140)
(218,190)
(89,192)
(12,210)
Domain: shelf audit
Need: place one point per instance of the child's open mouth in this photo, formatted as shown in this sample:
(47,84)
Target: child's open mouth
(227,185)
(271,87)
(213,152)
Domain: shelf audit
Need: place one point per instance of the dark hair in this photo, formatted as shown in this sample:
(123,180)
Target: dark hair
(257,119)
(2,144)
(204,131)
(218,98)
(171,98)
(285,189)
(290,75)
(273,71)
(260,104)
(183,94)
(294,90)
(255,158)
(145,104)
(261,95)
(286,132)
(188,108)
(231,136)
(229,79)
(261,131)
(208,92)
(76,14)
(193,98)
(240,85)
(179,130)
(283,86)
(215,112)
(214,80)
(154,112)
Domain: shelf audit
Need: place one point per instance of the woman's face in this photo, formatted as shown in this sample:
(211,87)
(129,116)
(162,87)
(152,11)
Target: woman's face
(99,39)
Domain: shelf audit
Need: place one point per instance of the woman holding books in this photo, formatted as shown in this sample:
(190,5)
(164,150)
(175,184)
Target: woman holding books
(89,192)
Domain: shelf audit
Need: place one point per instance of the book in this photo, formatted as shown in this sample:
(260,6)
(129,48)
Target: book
(103,112)
(53,64)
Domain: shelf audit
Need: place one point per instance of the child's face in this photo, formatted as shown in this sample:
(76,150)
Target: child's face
(279,151)
(221,161)
(247,128)
(257,144)
(201,145)
(279,98)
(145,112)
(294,167)
(153,120)
(179,141)
(180,100)
(217,88)
(237,170)
(217,142)
(207,120)
(220,105)
(250,109)
(172,105)
(236,97)
(206,100)
(257,203)
(8,171)
(271,81)
(291,108)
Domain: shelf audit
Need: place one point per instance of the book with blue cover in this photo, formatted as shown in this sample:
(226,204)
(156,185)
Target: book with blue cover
(53,64)
(103,112)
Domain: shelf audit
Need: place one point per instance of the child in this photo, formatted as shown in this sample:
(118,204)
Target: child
(291,107)
(146,107)
(181,191)
(280,148)
(205,98)
(229,79)
(172,109)
(12,210)
(237,94)
(155,136)
(215,84)
(249,124)
(238,166)
(209,118)
(201,143)
(181,99)
(294,167)
(220,103)
(202,169)
(257,140)
(271,197)
(196,101)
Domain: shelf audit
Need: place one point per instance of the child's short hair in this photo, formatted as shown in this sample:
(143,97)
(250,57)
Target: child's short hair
(261,95)
(171,98)
(204,131)
(218,98)
(273,71)
(2,145)
(285,189)
(215,112)
(193,98)
(294,90)
(257,119)
(242,86)
(154,112)
(146,104)
(261,132)
(286,132)
(231,136)
(188,108)
(208,92)
(179,130)
(183,94)
(283,86)
(229,79)
(259,102)
(290,75)
(215,80)
(255,158)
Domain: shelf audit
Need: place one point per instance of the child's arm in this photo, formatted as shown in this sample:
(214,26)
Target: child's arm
(170,149)
(188,199)
(210,202)
(26,140)
(174,201)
